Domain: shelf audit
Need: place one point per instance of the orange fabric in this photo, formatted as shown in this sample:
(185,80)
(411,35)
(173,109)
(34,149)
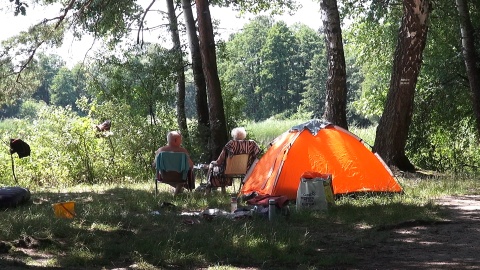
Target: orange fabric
(335,151)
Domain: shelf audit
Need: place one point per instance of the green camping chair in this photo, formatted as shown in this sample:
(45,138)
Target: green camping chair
(172,168)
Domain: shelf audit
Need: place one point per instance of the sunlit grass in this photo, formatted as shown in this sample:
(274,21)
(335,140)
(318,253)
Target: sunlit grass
(264,132)
(116,226)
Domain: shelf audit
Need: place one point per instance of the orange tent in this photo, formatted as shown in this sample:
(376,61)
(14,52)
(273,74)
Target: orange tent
(317,146)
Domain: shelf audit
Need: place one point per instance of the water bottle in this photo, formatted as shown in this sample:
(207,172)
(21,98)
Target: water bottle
(233,204)
(271,209)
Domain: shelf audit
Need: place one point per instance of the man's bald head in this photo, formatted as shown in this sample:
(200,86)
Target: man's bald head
(174,138)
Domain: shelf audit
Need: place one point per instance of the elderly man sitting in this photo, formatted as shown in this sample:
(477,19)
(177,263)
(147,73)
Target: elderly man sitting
(174,142)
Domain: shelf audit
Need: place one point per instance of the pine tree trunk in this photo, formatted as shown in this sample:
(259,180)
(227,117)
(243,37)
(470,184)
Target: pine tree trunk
(336,89)
(180,87)
(198,76)
(392,130)
(218,127)
(470,57)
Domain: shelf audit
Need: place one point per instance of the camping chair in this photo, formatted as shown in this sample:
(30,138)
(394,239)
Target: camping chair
(172,168)
(236,168)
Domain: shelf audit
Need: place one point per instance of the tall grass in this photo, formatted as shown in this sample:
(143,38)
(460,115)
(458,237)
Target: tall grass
(264,132)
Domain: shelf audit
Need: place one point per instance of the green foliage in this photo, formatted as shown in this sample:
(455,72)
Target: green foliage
(372,46)
(20,7)
(442,135)
(256,6)
(313,99)
(67,149)
(48,67)
(30,108)
(239,68)
(19,51)
(13,86)
(112,20)
(265,66)
(141,78)
(68,86)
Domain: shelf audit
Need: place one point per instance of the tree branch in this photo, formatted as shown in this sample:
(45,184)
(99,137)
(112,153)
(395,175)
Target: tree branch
(140,29)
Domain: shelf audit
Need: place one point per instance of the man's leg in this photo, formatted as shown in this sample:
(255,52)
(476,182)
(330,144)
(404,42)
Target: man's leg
(178,189)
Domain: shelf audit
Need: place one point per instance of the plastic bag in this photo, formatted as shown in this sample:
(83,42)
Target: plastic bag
(311,193)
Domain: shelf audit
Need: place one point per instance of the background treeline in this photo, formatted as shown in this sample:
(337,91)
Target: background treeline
(269,71)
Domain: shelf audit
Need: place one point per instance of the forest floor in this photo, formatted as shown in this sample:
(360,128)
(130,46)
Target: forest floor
(450,244)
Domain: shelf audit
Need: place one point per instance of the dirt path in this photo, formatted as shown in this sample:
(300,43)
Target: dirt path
(450,244)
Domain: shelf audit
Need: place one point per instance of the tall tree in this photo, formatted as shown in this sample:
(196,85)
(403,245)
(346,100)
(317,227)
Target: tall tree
(218,125)
(392,130)
(336,95)
(49,67)
(198,76)
(278,54)
(241,63)
(179,69)
(67,86)
(470,56)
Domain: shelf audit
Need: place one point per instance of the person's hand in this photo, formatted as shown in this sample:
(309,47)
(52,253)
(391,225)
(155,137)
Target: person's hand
(212,164)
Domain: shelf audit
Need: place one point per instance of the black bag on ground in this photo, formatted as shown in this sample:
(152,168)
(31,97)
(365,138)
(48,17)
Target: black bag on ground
(13,196)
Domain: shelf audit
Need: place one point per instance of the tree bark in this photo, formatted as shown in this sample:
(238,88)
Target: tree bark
(470,57)
(218,127)
(336,88)
(180,86)
(392,130)
(198,76)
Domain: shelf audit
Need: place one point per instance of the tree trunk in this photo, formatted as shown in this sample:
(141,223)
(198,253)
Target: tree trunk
(180,87)
(470,57)
(392,130)
(336,89)
(218,127)
(198,76)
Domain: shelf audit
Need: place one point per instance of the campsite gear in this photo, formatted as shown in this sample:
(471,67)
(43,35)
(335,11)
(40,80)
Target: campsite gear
(13,196)
(233,204)
(271,209)
(315,191)
(105,126)
(324,148)
(263,200)
(216,177)
(235,168)
(64,209)
(201,171)
(311,194)
(22,149)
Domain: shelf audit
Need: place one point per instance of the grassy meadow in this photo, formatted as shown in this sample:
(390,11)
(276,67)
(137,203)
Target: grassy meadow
(125,226)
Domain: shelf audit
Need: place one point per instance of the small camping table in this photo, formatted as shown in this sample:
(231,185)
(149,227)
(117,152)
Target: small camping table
(201,171)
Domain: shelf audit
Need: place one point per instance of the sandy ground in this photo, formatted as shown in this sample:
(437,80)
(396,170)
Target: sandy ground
(450,244)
